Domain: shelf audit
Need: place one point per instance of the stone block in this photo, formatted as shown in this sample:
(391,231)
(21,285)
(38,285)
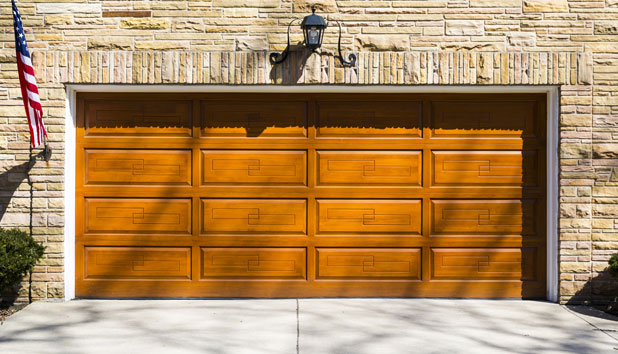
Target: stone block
(605,151)
(145,23)
(68,8)
(569,267)
(584,68)
(110,43)
(575,151)
(251,44)
(188,25)
(58,19)
(545,6)
(606,246)
(246,3)
(495,3)
(605,210)
(320,5)
(602,47)
(521,39)
(161,45)
(464,28)
(376,43)
(605,27)
(602,223)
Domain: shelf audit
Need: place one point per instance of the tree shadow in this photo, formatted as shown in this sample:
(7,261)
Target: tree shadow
(10,180)
(600,291)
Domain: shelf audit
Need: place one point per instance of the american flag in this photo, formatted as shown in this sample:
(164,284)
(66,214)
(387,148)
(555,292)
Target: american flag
(29,90)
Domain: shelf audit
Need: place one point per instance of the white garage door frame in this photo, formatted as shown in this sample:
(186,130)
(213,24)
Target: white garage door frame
(553,111)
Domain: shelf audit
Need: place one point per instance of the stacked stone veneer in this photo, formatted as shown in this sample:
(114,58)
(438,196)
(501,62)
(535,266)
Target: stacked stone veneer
(570,44)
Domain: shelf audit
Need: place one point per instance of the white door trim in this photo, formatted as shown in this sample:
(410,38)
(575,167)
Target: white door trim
(553,111)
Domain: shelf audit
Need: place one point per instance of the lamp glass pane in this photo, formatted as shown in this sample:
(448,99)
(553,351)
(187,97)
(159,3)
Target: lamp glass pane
(313,37)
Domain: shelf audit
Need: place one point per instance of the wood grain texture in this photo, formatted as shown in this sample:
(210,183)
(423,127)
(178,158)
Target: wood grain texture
(494,264)
(254,216)
(138,167)
(369,168)
(484,168)
(253,263)
(377,264)
(138,216)
(254,167)
(138,263)
(369,216)
(483,217)
(310,195)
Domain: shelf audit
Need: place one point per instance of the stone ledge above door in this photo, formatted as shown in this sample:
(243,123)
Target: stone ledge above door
(253,68)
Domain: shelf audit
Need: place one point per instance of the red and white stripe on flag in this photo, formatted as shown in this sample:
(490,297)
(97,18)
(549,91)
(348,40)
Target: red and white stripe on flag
(29,90)
(32,102)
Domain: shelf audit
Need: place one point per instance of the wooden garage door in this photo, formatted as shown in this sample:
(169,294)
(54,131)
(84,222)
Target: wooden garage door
(302,195)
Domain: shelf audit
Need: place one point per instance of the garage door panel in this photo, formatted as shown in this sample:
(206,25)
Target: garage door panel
(369,168)
(137,263)
(480,168)
(259,216)
(254,119)
(369,216)
(488,263)
(483,217)
(474,119)
(253,263)
(138,167)
(137,117)
(358,263)
(138,216)
(369,119)
(254,167)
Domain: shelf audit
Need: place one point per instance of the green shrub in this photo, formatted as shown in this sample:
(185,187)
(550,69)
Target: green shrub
(613,265)
(18,255)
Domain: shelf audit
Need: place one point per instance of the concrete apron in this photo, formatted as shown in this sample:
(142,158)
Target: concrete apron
(355,326)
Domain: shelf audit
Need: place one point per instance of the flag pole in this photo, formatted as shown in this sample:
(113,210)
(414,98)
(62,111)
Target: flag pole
(47,151)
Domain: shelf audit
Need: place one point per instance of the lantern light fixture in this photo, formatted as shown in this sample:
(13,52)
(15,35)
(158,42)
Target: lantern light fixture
(313,27)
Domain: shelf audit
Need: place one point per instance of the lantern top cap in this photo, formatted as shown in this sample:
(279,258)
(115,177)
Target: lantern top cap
(313,20)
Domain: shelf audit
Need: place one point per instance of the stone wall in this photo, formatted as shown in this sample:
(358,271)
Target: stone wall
(570,44)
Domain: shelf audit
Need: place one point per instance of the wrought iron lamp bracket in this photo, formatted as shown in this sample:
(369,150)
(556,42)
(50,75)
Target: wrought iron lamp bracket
(278,58)
(351,57)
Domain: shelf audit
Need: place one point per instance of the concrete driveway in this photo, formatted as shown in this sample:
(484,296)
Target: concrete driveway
(311,326)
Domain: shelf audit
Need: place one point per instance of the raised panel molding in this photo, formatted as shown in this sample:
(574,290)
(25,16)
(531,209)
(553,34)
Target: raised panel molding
(471,168)
(488,263)
(369,167)
(260,167)
(138,167)
(138,216)
(138,263)
(369,216)
(483,217)
(263,216)
(359,263)
(253,263)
